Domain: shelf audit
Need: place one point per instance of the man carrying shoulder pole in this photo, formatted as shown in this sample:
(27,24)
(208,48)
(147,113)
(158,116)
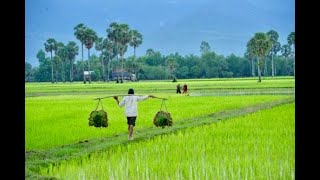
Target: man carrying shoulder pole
(130,102)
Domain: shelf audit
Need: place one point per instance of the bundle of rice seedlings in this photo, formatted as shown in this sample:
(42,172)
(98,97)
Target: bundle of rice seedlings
(162,119)
(98,119)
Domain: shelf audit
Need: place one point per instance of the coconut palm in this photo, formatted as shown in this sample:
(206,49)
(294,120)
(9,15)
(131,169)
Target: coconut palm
(90,37)
(51,46)
(73,50)
(259,46)
(79,33)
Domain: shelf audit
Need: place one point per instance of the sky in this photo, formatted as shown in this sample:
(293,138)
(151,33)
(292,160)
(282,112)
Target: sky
(167,26)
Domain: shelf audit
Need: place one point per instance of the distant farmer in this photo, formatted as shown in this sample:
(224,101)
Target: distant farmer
(178,89)
(131,108)
(185,89)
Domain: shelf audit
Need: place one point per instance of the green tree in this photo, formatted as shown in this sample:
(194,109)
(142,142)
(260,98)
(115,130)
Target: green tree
(291,41)
(273,35)
(259,46)
(79,32)
(286,51)
(56,63)
(28,69)
(111,51)
(51,46)
(121,36)
(100,47)
(62,52)
(73,51)
(42,73)
(149,52)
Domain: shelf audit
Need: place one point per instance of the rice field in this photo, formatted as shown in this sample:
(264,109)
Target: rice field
(254,146)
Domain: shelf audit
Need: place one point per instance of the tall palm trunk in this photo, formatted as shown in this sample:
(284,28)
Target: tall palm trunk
(135,73)
(272,65)
(117,68)
(103,71)
(121,68)
(89,66)
(259,71)
(52,81)
(71,71)
(84,78)
(265,68)
(253,68)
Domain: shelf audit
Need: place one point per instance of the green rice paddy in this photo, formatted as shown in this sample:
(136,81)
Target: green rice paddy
(254,146)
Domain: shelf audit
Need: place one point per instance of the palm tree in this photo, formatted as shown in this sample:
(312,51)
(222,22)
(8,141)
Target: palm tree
(136,41)
(112,34)
(121,36)
(259,46)
(291,41)
(73,50)
(90,37)
(51,45)
(62,52)
(79,33)
(111,52)
(99,47)
(273,35)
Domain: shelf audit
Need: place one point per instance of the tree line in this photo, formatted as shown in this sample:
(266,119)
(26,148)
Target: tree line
(264,56)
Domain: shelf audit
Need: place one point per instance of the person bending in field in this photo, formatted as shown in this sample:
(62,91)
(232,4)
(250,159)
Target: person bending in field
(185,89)
(131,108)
